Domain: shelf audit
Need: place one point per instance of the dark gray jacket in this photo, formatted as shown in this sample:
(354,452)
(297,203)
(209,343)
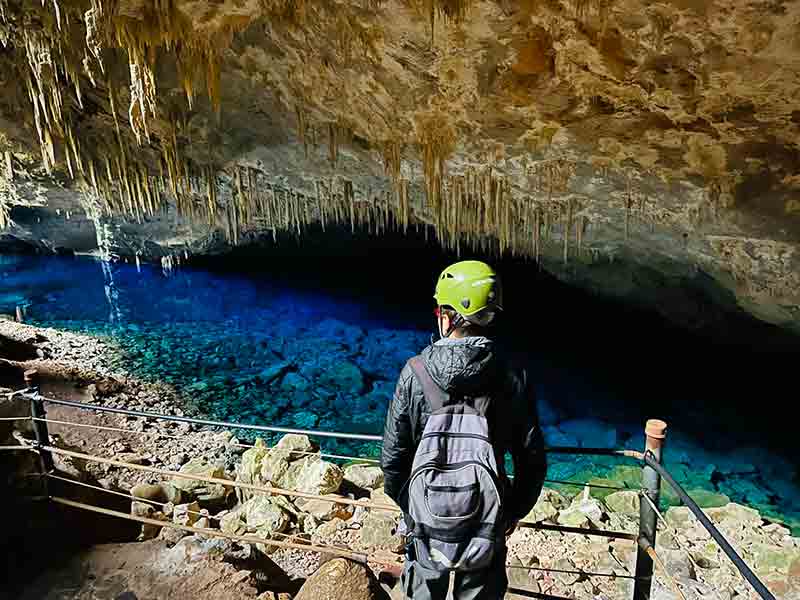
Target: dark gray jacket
(470,366)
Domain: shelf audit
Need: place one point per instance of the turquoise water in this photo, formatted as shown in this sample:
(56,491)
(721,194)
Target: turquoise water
(257,349)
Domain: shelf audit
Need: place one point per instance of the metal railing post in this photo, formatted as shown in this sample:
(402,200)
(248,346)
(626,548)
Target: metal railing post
(655,434)
(38,412)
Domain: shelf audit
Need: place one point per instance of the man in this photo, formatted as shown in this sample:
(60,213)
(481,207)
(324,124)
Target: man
(465,365)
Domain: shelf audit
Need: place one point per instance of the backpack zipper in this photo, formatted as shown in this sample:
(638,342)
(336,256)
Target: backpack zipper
(457,467)
(474,436)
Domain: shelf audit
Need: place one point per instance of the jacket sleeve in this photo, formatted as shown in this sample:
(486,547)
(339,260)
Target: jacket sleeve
(527,452)
(398,450)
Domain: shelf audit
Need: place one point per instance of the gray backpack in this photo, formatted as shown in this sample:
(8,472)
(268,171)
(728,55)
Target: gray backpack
(455,492)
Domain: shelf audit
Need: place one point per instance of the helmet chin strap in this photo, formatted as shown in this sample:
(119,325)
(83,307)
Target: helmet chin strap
(454,324)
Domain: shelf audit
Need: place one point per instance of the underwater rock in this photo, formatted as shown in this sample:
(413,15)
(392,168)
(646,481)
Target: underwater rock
(273,372)
(305,420)
(294,382)
(344,376)
(349,335)
(707,499)
(553,436)
(626,503)
(590,433)
(364,476)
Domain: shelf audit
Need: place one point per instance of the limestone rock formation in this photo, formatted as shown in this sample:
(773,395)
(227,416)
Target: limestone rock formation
(642,150)
(340,578)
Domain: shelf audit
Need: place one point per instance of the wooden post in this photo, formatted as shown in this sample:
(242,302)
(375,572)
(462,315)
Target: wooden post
(655,434)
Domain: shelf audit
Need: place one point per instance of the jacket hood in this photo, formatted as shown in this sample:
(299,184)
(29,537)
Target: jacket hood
(462,365)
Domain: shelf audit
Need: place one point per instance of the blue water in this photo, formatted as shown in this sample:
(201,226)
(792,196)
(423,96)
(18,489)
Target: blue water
(255,349)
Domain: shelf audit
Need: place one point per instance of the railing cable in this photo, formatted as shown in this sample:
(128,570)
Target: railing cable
(179,437)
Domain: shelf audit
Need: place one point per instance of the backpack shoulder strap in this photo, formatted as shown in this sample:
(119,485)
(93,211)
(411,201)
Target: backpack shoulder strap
(435,396)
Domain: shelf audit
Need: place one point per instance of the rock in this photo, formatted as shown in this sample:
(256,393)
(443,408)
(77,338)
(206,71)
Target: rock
(706,499)
(327,531)
(315,476)
(678,564)
(379,497)
(296,446)
(273,468)
(233,522)
(186,514)
(132,458)
(736,513)
(583,511)
(249,470)
(626,503)
(364,476)
(171,535)
(767,557)
(163,492)
(150,531)
(262,515)
(338,579)
(142,509)
(568,576)
(272,372)
(211,495)
(308,524)
(379,532)
(520,577)
(547,507)
(325,511)
(343,376)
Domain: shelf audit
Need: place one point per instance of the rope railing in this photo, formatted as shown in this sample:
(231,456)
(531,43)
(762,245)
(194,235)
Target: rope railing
(649,492)
(361,558)
(267,541)
(265,489)
(24,418)
(199,513)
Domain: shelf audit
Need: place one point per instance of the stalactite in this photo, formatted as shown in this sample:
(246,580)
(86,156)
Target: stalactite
(567,230)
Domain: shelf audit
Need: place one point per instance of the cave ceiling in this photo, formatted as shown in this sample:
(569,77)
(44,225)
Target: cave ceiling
(609,139)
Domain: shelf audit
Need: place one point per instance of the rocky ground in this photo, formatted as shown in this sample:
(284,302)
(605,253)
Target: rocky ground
(75,366)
